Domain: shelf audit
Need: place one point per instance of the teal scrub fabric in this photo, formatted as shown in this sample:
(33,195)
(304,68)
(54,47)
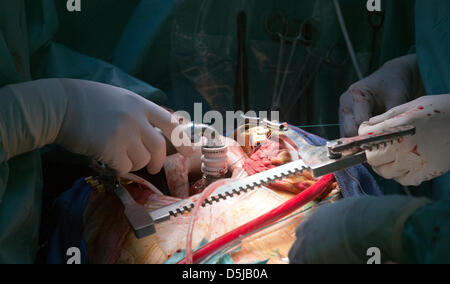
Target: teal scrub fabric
(427,232)
(27,52)
(433,52)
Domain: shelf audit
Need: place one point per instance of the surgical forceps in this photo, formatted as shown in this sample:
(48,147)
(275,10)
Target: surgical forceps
(284,26)
(302,83)
(376,25)
(278,25)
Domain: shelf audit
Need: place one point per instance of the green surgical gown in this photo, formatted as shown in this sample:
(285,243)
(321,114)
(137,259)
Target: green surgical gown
(427,232)
(27,52)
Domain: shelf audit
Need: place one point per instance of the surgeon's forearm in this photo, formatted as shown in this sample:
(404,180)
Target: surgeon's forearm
(31,115)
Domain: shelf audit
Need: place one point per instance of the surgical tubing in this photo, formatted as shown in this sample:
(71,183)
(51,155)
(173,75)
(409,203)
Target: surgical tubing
(348,42)
(281,211)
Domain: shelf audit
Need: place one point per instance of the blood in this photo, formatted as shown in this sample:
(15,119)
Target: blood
(358,91)
(139,193)
(420,107)
(291,186)
(370,133)
(414,151)
(436,111)
(197,188)
(276,214)
(302,185)
(266,157)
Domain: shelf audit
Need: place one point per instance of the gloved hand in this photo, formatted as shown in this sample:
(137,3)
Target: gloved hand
(344,231)
(395,83)
(417,158)
(109,124)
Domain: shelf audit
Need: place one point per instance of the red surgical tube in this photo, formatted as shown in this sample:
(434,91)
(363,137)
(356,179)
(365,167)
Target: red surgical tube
(281,211)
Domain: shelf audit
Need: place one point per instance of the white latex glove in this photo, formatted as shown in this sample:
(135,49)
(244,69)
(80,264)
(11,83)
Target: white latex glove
(417,158)
(343,232)
(31,115)
(395,83)
(106,123)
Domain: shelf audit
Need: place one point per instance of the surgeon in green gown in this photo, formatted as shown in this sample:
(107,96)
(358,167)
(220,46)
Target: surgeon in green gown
(85,117)
(395,228)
